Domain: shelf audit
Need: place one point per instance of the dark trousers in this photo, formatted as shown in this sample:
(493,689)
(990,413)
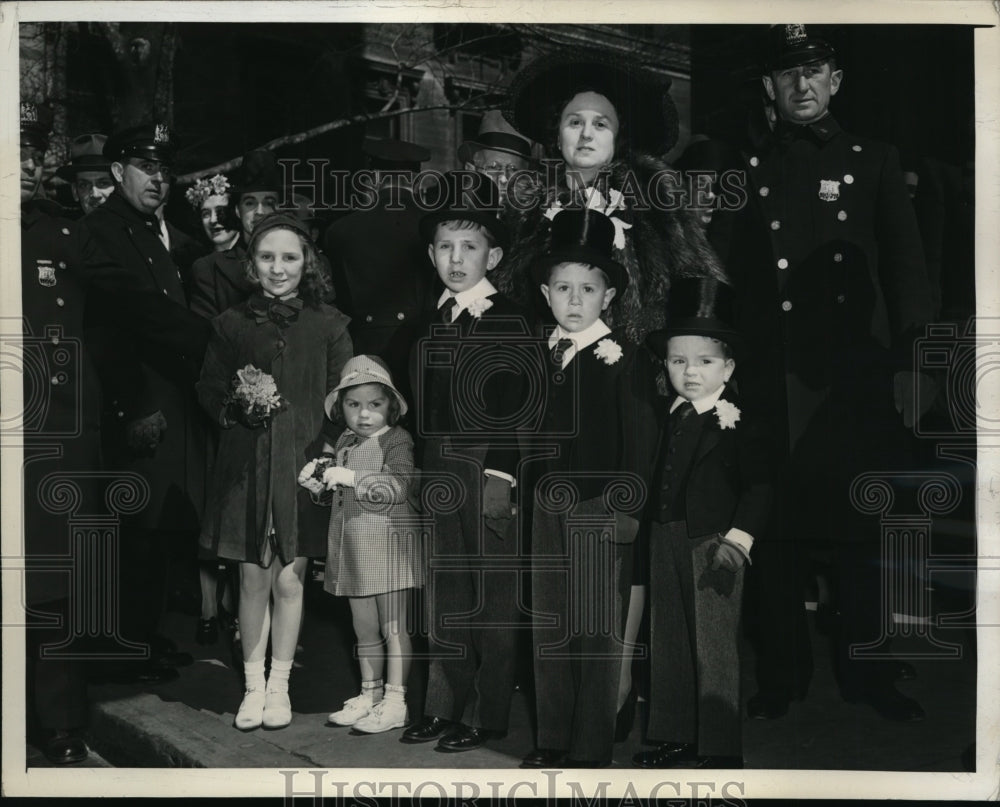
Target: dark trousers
(694,633)
(57,687)
(580,585)
(143,581)
(474,612)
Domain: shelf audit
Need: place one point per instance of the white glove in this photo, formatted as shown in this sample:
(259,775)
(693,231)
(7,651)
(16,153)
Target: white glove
(338,476)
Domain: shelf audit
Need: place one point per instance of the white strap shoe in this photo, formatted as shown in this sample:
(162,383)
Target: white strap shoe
(354,709)
(384,716)
(277,710)
(251,711)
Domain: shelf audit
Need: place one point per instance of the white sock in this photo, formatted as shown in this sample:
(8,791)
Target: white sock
(253,671)
(394,693)
(277,681)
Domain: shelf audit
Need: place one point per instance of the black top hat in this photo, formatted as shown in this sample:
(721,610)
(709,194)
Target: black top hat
(791,46)
(697,306)
(582,236)
(258,173)
(495,134)
(467,196)
(151,141)
(36,124)
(706,154)
(641,98)
(86,154)
(394,154)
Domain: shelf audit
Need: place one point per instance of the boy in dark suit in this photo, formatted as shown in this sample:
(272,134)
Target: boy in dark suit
(598,427)
(470,397)
(711,496)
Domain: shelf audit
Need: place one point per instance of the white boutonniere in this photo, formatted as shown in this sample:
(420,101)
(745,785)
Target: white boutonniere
(728,414)
(477,307)
(608,351)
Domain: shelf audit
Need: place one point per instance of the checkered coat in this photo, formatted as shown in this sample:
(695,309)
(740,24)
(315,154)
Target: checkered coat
(372,544)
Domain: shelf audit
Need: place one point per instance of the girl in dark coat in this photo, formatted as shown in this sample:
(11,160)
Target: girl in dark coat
(256,512)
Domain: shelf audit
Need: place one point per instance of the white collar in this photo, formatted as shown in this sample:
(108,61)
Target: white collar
(581,339)
(702,405)
(480,291)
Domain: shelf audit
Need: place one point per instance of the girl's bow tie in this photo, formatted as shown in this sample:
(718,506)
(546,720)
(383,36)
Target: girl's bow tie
(280,312)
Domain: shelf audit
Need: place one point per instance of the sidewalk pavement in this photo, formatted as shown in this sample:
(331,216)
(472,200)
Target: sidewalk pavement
(188,722)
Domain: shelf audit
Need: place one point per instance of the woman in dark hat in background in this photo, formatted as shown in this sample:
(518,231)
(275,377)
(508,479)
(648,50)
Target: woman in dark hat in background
(610,122)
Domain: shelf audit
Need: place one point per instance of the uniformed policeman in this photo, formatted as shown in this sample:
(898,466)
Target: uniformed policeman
(832,285)
(162,437)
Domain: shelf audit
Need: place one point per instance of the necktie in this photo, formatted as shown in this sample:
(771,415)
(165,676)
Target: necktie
(164,237)
(683,412)
(447,309)
(559,351)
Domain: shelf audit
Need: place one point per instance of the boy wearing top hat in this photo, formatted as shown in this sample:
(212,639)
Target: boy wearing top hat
(711,496)
(469,407)
(588,493)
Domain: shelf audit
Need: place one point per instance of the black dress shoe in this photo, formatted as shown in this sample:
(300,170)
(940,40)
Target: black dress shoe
(667,755)
(766,706)
(430,728)
(464,738)
(65,749)
(543,758)
(207,631)
(889,702)
(159,645)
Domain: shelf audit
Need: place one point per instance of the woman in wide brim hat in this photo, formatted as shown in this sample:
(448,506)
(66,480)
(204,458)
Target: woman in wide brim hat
(610,121)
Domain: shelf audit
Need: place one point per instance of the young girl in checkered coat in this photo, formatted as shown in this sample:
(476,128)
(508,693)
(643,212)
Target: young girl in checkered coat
(373,556)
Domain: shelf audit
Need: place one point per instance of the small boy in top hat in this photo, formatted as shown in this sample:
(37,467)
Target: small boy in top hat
(470,398)
(711,496)
(589,490)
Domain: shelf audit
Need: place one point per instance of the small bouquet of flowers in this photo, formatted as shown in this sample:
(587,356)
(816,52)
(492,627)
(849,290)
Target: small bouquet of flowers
(254,398)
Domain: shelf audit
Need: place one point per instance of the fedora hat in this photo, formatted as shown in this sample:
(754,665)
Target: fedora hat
(497,135)
(151,141)
(641,98)
(467,196)
(791,46)
(697,306)
(86,154)
(582,236)
(363,370)
(401,155)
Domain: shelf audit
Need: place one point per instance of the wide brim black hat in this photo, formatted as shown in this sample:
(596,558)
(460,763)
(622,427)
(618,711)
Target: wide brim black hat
(466,196)
(697,306)
(387,153)
(640,97)
(581,236)
(792,46)
(151,141)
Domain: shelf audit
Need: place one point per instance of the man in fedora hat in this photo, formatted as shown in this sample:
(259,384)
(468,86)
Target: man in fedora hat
(170,457)
(497,150)
(88,172)
(833,290)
